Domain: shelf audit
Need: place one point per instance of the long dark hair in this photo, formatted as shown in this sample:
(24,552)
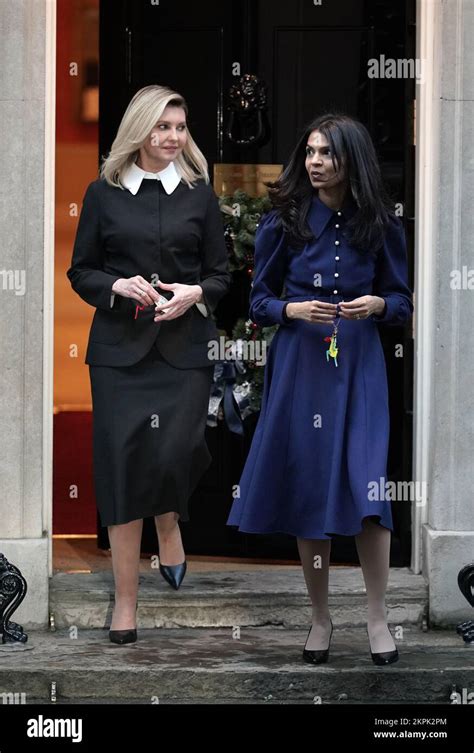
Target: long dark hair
(351,146)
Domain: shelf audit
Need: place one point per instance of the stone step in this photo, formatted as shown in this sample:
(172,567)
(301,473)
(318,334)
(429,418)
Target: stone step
(273,596)
(263,665)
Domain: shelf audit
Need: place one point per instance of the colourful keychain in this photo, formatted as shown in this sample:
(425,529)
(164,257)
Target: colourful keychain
(333,350)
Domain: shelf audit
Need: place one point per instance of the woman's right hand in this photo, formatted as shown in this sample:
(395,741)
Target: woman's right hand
(138,289)
(316,312)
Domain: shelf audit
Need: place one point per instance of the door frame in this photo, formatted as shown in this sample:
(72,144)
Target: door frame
(48,270)
(426,121)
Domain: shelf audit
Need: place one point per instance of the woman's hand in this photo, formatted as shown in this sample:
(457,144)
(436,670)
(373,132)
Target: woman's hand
(362,308)
(184,296)
(316,312)
(138,289)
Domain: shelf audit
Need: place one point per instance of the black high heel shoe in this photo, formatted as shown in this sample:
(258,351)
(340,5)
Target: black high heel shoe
(319,656)
(383,657)
(173,574)
(123,636)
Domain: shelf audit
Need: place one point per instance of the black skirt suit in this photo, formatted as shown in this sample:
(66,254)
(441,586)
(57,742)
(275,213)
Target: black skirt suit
(150,381)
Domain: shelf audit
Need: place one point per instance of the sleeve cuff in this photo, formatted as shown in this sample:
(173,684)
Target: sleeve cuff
(397,311)
(285,316)
(384,315)
(109,299)
(275,311)
(202,308)
(116,301)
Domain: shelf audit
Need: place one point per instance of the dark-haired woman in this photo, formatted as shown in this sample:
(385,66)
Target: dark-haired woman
(333,244)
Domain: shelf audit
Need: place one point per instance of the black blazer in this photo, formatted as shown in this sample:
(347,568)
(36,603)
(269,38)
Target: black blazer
(177,236)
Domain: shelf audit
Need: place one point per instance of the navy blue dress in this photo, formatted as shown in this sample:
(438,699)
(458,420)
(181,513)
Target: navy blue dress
(321,440)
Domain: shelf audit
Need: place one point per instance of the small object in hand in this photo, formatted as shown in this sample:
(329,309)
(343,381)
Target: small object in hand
(160,304)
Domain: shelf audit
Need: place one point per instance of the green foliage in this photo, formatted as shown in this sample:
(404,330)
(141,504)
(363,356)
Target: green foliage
(241,214)
(254,371)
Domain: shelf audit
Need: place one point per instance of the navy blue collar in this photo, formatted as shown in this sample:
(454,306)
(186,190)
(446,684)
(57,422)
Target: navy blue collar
(320,215)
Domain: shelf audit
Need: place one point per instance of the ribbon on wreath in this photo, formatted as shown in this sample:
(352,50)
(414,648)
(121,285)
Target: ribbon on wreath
(231,398)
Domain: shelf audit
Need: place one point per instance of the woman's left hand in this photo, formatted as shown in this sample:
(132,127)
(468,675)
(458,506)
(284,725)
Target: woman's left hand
(184,296)
(362,308)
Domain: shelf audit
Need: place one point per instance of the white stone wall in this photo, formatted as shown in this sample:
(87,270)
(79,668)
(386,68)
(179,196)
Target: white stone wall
(23,538)
(448,530)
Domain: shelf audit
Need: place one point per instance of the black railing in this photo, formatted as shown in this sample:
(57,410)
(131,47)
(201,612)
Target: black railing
(12,592)
(466,586)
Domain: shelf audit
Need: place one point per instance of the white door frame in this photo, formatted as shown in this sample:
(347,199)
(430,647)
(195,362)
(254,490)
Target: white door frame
(48,269)
(427,119)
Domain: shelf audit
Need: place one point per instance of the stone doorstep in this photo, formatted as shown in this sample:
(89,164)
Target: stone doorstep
(211,666)
(226,599)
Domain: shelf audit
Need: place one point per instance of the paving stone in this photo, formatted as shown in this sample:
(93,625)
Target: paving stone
(264,665)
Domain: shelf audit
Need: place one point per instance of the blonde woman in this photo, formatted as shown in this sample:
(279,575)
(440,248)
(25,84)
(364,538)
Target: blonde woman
(150,256)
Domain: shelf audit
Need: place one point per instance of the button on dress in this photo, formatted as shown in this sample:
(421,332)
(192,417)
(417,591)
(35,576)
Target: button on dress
(321,441)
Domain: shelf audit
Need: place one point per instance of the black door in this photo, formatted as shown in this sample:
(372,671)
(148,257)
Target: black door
(312,58)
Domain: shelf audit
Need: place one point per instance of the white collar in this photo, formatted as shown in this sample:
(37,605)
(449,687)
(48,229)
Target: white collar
(133,176)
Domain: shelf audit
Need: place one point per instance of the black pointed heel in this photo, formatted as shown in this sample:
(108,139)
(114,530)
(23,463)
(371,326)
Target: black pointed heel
(123,636)
(173,574)
(383,657)
(321,655)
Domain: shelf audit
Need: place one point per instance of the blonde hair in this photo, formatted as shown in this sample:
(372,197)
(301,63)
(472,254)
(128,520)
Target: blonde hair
(143,112)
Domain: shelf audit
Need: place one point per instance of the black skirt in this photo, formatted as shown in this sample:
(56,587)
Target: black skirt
(148,437)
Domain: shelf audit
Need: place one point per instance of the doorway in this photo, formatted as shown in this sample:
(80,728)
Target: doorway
(311,58)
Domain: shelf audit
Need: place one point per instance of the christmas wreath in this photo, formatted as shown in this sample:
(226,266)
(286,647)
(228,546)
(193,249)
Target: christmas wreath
(241,214)
(238,379)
